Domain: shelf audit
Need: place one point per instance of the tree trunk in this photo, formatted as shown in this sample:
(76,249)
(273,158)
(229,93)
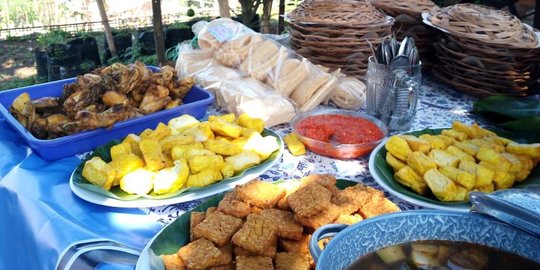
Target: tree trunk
(158,31)
(267,12)
(281,20)
(224,9)
(108,33)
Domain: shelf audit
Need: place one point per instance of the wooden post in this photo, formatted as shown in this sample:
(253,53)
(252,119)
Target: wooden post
(224,9)
(158,31)
(281,20)
(108,33)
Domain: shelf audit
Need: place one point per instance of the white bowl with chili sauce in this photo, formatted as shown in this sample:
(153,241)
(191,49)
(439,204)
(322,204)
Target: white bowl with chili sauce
(336,133)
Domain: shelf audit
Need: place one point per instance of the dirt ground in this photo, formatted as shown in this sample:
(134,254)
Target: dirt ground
(16,60)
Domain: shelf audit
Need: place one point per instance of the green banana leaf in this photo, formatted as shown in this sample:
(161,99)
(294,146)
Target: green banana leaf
(388,176)
(104,153)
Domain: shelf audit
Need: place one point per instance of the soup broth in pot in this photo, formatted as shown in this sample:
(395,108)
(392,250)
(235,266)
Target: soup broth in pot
(442,255)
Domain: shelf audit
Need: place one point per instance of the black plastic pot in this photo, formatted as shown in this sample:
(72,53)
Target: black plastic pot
(61,55)
(122,41)
(88,48)
(41,62)
(147,42)
(174,36)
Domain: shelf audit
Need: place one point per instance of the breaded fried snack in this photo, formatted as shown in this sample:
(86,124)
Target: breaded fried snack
(173,262)
(223,267)
(258,235)
(254,262)
(196,218)
(377,204)
(285,223)
(326,180)
(350,199)
(300,246)
(322,218)
(291,261)
(201,254)
(260,193)
(218,228)
(348,219)
(309,200)
(210,210)
(231,205)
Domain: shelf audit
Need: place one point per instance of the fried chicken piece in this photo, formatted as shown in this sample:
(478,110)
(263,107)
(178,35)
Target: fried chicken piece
(201,254)
(218,228)
(111,98)
(322,218)
(231,205)
(309,200)
(210,210)
(291,261)
(351,198)
(173,262)
(260,193)
(196,218)
(258,235)
(254,262)
(155,99)
(377,204)
(284,220)
(348,219)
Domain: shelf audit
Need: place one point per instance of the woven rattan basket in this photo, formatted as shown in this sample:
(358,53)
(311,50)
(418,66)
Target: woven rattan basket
(482,51)
(338,34)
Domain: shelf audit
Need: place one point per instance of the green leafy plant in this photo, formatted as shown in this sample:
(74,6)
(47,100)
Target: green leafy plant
(55,36)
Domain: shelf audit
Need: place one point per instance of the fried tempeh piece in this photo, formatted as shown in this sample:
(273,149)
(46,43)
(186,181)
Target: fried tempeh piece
(201,254)
(218,228)
(309,200)
(320,219)
(254,262)
(173,262)
(350,199)
(196,218)
(291,261)
(260,193)
(258,235)
(231,205)
(326,180)
(210,210)
(348,219)
(285,223)
(377,204)
(300,246)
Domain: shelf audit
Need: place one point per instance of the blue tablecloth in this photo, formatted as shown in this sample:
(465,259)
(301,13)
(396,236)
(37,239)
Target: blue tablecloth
(41,216)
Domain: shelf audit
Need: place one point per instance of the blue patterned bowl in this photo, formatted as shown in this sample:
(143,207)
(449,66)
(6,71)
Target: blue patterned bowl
(351,242)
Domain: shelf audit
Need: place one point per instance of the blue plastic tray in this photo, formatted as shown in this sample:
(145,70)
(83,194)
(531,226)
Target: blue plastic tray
(196,103)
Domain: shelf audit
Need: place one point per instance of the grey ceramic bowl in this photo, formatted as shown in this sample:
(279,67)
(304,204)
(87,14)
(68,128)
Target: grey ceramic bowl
(350,243)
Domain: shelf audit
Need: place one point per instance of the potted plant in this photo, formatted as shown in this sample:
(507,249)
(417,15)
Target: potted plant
(40,52)
(122,41)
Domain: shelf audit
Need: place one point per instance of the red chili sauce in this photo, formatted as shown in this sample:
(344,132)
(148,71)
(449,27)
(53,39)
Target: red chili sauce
(344,129)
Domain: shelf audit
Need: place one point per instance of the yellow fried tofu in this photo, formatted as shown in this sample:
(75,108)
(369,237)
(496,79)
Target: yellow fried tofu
(123,164)
(482,132)
(224,128)
(520,165)
(443,188)
(181,123)
(226,170)
(462,194)
(484,176)
(204,178)
(171,179)
(447,139)
(246,121)
(461,127)
(157,134)
(222,147)
(532,150)
(98,172)
(462,156)
(434,141)
(420,162)
(133,140)
(501,179)
(168,142)
(457,135)
(198,163)
(178,151)
(263,146)
(139,181)
(229,117)
(196,152)
(463,178)
(489,143)
(120,149)
(201,132)
(409,178)
(487,188)
(243,160)
(467,147)
(395,163)
(398,147)
(295,146)
(489,155)
(417,144)
(443,158)
(153,157)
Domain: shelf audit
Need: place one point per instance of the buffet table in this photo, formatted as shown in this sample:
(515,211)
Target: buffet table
(41,215)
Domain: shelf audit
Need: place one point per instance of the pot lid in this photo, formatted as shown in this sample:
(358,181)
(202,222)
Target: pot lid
(517,207)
